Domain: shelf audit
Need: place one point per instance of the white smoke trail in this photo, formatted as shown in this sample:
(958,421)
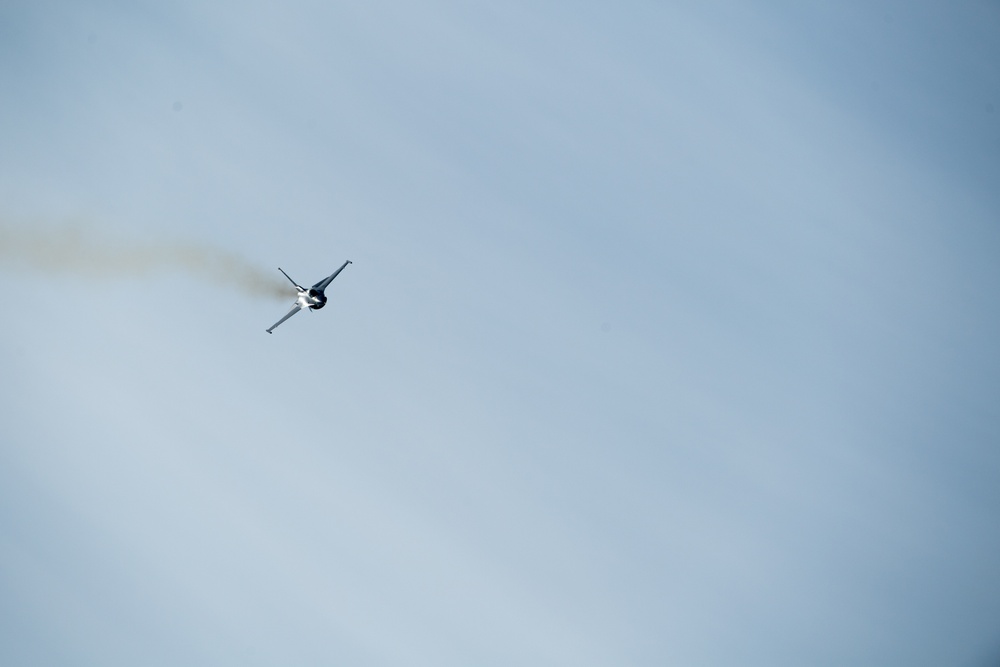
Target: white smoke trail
(81,251)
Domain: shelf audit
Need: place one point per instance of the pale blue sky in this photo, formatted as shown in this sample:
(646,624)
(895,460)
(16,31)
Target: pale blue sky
(670,337)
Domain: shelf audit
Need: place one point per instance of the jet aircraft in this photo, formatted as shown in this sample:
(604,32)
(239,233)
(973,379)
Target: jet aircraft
(312,298)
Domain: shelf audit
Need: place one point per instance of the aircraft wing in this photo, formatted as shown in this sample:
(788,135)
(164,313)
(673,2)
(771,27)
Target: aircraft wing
(296,308)
(322,285)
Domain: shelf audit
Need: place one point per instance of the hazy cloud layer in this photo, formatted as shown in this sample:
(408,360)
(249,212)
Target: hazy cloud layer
(672,339)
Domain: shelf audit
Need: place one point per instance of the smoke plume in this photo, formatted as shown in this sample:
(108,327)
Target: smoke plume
(84,252)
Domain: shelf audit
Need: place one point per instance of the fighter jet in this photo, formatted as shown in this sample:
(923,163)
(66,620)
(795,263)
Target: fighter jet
(312,298)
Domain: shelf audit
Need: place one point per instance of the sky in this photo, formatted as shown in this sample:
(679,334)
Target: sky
(669,338)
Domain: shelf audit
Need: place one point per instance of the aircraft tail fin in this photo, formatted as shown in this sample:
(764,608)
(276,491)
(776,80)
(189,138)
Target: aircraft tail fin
(297,286)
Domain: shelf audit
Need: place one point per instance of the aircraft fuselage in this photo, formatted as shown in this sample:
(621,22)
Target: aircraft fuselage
(312,298)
